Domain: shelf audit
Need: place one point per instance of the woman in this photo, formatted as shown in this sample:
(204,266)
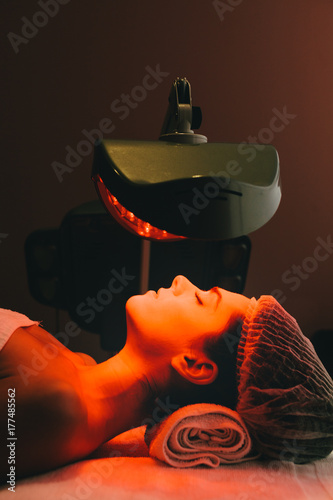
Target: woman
(182,342)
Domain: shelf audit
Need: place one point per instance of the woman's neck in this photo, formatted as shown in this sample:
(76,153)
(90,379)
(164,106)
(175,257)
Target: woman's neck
(119,394)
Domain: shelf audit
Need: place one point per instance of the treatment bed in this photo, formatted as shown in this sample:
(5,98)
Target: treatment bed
(122,469)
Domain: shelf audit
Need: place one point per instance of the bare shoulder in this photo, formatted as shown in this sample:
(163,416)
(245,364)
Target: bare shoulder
(33,351)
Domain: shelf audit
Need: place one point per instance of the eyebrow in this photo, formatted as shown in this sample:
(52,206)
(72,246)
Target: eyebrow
(218,293)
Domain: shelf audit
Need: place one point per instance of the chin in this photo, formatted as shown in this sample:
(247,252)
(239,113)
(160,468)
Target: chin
(131,303)
(141,299)
(135,305)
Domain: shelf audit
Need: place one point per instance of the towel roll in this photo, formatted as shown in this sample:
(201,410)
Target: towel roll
(200,434)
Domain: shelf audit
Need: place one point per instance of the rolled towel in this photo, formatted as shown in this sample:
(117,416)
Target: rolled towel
(200,434)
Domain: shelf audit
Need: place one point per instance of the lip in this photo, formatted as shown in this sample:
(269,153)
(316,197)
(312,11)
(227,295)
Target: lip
(159,292)
(156,294)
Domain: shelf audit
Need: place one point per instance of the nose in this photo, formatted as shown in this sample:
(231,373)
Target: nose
(181,284)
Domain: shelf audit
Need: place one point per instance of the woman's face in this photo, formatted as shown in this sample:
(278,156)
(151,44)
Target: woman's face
(180,315)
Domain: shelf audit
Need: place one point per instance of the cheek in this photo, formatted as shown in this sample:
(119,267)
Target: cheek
(151,318)
(167,319)
(151,327)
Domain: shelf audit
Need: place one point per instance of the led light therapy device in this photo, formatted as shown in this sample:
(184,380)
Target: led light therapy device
(179,205)
(181,186)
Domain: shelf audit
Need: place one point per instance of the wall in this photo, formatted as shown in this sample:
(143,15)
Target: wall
(243,60)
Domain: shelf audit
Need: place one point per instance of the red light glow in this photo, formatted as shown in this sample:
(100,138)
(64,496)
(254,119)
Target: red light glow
(128,220)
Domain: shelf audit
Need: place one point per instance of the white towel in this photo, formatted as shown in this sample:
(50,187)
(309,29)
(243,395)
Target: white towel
(9,322)
(201,434)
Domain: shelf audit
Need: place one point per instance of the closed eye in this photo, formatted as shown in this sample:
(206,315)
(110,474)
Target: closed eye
(198,299)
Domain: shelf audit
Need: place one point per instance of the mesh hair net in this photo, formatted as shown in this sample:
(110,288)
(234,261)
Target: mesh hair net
(285,395)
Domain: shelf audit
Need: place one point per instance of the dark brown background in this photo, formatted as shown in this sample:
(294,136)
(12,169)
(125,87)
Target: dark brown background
(262,55)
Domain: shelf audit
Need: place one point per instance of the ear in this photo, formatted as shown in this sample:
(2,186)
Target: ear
(195,367)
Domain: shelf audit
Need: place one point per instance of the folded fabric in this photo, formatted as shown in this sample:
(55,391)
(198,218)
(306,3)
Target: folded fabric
(200,434)
(10,321)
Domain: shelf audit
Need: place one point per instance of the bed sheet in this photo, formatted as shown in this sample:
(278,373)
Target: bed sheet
(122,470)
